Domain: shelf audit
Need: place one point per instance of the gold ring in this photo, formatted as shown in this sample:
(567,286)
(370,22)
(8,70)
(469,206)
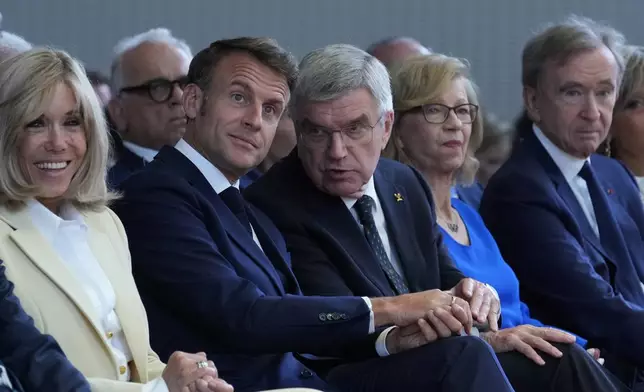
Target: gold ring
(202,364)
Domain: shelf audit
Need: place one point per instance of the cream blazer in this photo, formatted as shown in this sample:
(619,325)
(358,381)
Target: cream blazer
(59,306)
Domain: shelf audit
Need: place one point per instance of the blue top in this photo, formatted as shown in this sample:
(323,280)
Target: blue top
(482,260)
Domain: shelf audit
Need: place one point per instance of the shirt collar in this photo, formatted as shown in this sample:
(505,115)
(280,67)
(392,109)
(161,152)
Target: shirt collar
(49,223)
(640,182)
(214,176)
(569,165)
(369,190)
(147,154)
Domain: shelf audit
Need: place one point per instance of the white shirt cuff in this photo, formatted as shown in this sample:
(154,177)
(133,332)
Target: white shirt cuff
(381,342)
(372,327)
(156,385)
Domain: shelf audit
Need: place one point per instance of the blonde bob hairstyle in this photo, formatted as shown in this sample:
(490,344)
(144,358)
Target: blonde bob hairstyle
(27,85)
(421,80)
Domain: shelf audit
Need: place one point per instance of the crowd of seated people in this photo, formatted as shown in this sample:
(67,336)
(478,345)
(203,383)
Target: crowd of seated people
(234,220)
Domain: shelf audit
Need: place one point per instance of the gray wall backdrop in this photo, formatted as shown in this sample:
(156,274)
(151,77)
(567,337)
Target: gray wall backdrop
(490,33)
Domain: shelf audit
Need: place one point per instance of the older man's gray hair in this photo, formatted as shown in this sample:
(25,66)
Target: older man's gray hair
(335,70)
(157,35)
(559,42)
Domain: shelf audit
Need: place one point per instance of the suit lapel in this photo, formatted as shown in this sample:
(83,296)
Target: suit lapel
(129,316)
(35,246)
(333,215)
(398,217)
(236,232)
(566,193)
(273,254)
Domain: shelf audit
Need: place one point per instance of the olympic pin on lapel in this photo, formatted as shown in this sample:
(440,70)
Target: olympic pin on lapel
(398,197)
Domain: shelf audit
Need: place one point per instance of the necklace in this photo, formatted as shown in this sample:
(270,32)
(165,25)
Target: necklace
(452,226)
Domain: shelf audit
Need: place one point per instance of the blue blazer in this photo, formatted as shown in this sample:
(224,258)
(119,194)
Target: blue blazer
(127,162)
(208,287)
(470,195)
(330,253)
(567,277)
(34,360)
(249,178)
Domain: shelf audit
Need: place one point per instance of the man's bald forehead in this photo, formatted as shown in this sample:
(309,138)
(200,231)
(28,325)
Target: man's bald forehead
(397,49)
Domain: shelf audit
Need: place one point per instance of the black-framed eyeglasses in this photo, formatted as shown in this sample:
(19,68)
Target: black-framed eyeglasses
(437,113)
(358,133)
(159,90)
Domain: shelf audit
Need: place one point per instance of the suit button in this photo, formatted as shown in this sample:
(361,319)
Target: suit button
(322,317)
(329,316)
(335,316)
(343,316)
(306,373)
(122,369)
(109,335)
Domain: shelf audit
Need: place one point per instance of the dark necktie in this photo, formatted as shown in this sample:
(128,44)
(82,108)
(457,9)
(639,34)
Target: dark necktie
(364,206)
(609,232)
(235,202)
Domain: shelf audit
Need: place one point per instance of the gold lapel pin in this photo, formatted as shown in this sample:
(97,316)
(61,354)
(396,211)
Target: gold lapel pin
(398,197)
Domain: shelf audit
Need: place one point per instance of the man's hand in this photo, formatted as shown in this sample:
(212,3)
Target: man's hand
(441,309)
(411,336)
(484,305)
(525,338)
(181,372)
(209,384)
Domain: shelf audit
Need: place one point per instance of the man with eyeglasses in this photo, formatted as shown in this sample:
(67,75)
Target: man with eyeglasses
(148,74)
(356,224)
(215,275)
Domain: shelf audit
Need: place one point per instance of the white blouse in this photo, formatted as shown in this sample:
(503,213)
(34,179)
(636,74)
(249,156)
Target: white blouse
(67,234)
(640,183)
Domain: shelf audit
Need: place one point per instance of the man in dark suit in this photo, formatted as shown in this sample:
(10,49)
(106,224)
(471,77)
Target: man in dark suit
(568,221)
(214,273)
(125,163)
(29,360)
(355,224)
(147,76)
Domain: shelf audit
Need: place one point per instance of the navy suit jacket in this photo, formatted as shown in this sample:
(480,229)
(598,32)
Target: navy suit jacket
(471,194)
(127,162)
(249,178)
(208,287)
(34,360)
(330,253)
(567,277)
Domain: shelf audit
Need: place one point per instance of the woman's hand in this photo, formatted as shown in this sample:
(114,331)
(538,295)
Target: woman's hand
(526,338)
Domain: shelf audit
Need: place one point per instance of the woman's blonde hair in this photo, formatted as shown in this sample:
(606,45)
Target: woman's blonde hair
(632,82)
(420,80)
(27,85)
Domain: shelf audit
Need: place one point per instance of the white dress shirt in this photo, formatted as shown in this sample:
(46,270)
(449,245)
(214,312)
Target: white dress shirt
(640,184)
(570,167)
(220,183)
(67,234)
(147,154)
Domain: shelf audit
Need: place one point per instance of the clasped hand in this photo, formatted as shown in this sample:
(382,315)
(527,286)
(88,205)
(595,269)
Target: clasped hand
(435,314)
(182,374)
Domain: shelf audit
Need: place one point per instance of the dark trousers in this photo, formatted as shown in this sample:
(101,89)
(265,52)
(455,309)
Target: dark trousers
(576,371)
(458,364)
